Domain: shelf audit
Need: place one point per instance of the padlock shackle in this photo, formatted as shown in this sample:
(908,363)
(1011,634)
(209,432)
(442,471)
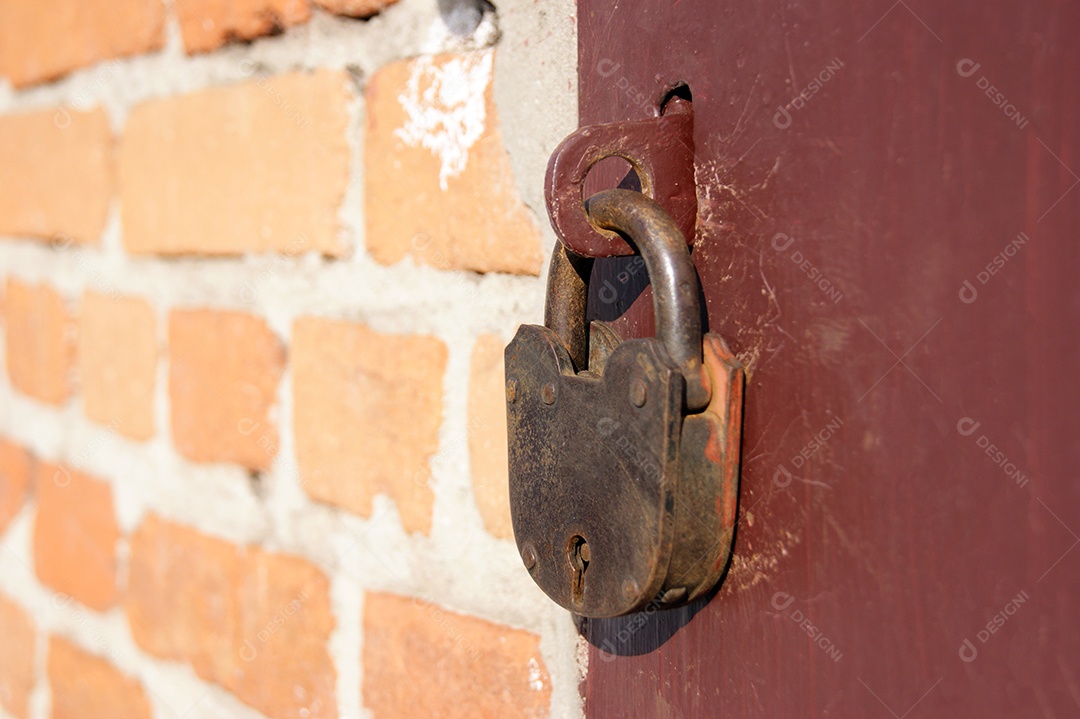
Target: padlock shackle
(676,306)
(567,300)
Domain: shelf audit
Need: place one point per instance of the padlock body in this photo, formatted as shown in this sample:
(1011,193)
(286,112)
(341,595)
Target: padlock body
(593,461)
(706,503)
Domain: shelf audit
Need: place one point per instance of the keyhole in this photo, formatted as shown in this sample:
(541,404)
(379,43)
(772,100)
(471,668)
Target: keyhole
(578,553)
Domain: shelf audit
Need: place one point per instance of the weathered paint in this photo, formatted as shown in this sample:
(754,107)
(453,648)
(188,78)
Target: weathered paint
(445,103)
(898,180)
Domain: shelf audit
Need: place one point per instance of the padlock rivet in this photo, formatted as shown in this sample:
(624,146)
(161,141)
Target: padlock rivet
(548,393)
(528,556)
(638,393)
(630,589)
(511,391)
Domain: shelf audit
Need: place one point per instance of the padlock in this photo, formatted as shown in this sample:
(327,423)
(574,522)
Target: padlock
(624,455)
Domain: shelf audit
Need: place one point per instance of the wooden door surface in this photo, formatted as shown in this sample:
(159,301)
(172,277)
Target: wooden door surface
(888,237)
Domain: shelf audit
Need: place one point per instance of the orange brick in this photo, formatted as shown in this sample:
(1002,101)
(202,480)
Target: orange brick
(367,410)
(55,174)
(16,659)
(40,41)
(470,668)
(40,342)
(15,465)
(355,8)
(208,24)
(257,623)
(224,368)
(181,596)
(256,167)
(75,535)
(487,435)
(85,686)
(439,185)
(118,354)
(283,628)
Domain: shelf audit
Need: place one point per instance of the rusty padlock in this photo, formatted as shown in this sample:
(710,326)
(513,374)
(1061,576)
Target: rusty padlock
(624,455)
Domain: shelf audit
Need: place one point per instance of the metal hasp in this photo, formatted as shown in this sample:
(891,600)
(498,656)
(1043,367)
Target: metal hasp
(624,455)
(661,151)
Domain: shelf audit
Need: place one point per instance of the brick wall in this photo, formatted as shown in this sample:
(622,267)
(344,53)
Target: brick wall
(258,259)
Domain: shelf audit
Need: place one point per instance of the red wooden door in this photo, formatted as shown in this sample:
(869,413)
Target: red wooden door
(888,236)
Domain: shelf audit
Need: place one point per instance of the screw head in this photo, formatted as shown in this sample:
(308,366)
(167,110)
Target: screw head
(548,393)
(638,393)
(528,556)
(511,391)
(630,589)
